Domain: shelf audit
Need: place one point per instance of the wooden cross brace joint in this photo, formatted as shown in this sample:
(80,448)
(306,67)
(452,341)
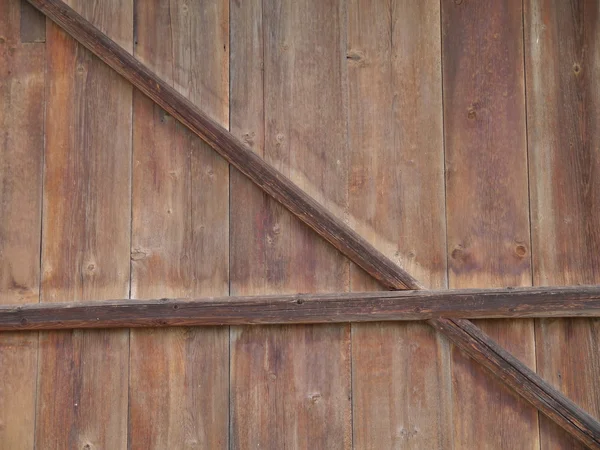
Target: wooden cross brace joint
(445,311)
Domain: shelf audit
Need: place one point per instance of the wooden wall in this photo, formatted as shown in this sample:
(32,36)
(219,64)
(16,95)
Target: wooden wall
(460,137)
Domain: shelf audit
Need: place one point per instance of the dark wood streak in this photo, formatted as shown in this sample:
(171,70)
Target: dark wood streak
(461,332)
(308,308)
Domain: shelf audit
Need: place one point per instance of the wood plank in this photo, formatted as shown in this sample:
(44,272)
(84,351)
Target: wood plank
(400,372)
(562,42)
(83,375)
(487,204)
(290,386)
(286,192)
(307,308)
(263,174)
(179,229)
(21,159)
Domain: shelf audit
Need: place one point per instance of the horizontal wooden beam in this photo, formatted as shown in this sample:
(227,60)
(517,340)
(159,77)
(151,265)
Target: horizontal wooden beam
(576,301)
(277,185)
(524,381)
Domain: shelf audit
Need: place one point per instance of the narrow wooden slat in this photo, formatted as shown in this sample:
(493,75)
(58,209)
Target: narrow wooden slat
(307,308)
(487,204)
(179,230)
(400,371)
(562,49)
(21,158)
(269,179)
(524,380)
(83,375)
(290,385)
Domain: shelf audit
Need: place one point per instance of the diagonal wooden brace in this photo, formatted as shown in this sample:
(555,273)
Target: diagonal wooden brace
(463,333)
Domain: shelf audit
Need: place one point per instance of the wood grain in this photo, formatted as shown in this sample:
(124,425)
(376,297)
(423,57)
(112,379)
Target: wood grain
(290,386)
(179,230)
(21,158)
(302,205)
(401,372)
(267,177)
(83,375)
(562,42)
(487,204)
(308,308)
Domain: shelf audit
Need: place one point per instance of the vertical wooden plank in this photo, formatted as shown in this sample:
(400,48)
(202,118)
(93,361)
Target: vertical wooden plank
(21,159)
(487,204)
(83,375)
(290,385)
(179,377)
(401,377)
(563,67)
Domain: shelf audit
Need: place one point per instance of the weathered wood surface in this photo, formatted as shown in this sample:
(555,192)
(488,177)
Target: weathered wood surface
(487,204)
(307,308)
(83,375)
(525,381)
(400,371)
(179,237)
(21,159)
(267,177)
(290,386)
(562,43)
(282,188)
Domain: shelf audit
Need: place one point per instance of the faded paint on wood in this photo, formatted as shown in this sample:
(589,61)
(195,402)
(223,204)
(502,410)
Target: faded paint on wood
(562,42)
(83,375)
(401,383)
(290,385)
(487,204)
(21,157)
(179,377)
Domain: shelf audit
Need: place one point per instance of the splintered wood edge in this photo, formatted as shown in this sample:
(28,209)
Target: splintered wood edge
(307,209)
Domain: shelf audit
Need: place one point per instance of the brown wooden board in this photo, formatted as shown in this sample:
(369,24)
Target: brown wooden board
(21,159)
(400,372)
(290,386)
(179,378)
(83,375)
(562,48)
(307,308)
(487,204)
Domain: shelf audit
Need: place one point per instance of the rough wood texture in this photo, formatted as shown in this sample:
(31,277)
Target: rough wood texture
(400,374)
(21,156)
(83,375)
(293,197)
(179,231)
(487,203)
(290,386)
(307,308)
(267,177)
(562,43)
(525,381)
